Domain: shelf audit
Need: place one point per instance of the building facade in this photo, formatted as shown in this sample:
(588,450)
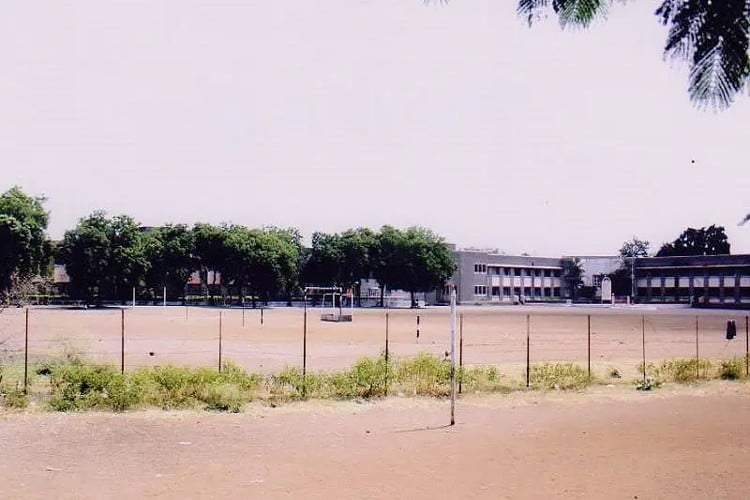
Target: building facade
(712,280)
(489,277)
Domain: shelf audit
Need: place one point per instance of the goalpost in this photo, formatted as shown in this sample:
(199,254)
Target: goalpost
(336,314)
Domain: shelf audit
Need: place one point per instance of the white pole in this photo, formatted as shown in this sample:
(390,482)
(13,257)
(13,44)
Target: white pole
(164,304)
(453,356)
(133,296)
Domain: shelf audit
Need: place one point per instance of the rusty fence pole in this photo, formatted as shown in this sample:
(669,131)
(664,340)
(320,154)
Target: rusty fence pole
(304,346)
(747,347)
(417,326)
(243,316)
(219,341)
(460,352)
(261,315)
(26,356)
(589,344)
(386,354)
(528,353)
(697,354)
(643,344)
(122,341)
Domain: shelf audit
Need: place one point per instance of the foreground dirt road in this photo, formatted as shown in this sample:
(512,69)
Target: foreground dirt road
(607,443)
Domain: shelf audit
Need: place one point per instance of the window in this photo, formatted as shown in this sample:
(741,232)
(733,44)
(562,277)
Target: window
(596,280)
(506,271)
(480,290)
(546,273)
(556,273)
(480,268)
(506,291)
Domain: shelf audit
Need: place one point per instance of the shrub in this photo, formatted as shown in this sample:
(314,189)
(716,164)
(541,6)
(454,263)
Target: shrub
(613,372)
(647,385)
(483,379)
(15,398)
(731,369)
(223,397)
(424,375)
(683,370)
(289,384)
(78,387)
(558,376)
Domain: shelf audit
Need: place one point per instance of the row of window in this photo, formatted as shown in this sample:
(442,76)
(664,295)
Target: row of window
(517,271)
(526,291)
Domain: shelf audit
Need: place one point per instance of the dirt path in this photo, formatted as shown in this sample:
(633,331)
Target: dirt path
(608,443)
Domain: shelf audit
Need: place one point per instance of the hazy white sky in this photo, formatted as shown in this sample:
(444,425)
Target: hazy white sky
(330,114)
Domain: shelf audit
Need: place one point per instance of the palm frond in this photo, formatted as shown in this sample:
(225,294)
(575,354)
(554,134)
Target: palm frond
(571,13)
(742,222)
(713,37)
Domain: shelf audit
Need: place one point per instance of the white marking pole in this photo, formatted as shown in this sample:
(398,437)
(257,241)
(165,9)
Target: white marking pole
(453,356)
(164,303)
(133,296)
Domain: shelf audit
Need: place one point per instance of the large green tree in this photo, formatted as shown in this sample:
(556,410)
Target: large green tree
(24,246)
(169,253)
(711,240)
(415,260)
(104,257)
(712,36)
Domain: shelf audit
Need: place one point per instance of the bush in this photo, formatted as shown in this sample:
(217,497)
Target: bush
(15,398)
(561,376)
(684,370)
(484,379)
(647,385)
(223,397)
(78,387)
(424,375)
(731,369)
(289,384)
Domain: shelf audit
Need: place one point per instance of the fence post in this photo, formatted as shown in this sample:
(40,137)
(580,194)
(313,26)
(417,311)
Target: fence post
(697,357)
(417,326)
(122,341)
(243,316)
(460,353)
(747,347)
(219,341)
(304,346)
(261,315)
(528,353)
(26,356)
(589,344)
(643,344)
(386,354)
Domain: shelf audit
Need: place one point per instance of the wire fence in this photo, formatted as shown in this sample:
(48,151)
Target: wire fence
(604,341)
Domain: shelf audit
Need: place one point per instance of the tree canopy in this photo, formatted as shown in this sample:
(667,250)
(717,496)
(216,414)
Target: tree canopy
(169,252)
(634,248)
(104,257)
(711,36)
(711,240)
(24,246)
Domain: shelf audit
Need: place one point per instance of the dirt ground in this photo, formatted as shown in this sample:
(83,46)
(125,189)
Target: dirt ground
(609,442)
(491,335)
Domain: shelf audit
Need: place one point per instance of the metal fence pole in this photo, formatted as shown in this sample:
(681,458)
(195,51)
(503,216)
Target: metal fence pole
(528,353)
(386,354)
(747,347)
(304,347)
(643,344)
(26,356)
(697,354)
(460,353)
(589,344)
(219,341)
(122,341)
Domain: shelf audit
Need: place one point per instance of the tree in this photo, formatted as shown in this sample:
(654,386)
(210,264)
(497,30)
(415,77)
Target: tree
(340,259)
(208,241)
(104,257)
(169,253)
(572,273)
(634,248)
(711,240)
(24,246)
(712,36)
(415,260)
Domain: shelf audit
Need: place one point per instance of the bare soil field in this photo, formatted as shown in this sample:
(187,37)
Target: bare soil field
(608,442)
(491,336)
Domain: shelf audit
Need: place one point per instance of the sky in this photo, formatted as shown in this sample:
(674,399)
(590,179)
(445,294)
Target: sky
(325,115)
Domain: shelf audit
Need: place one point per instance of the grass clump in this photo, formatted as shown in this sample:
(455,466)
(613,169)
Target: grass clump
(366,379)
(647,384)
(170,387)
(731,369)
(485,379)
(559,376)
(14,398)
(684,370)
(424,375)
(78,387)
